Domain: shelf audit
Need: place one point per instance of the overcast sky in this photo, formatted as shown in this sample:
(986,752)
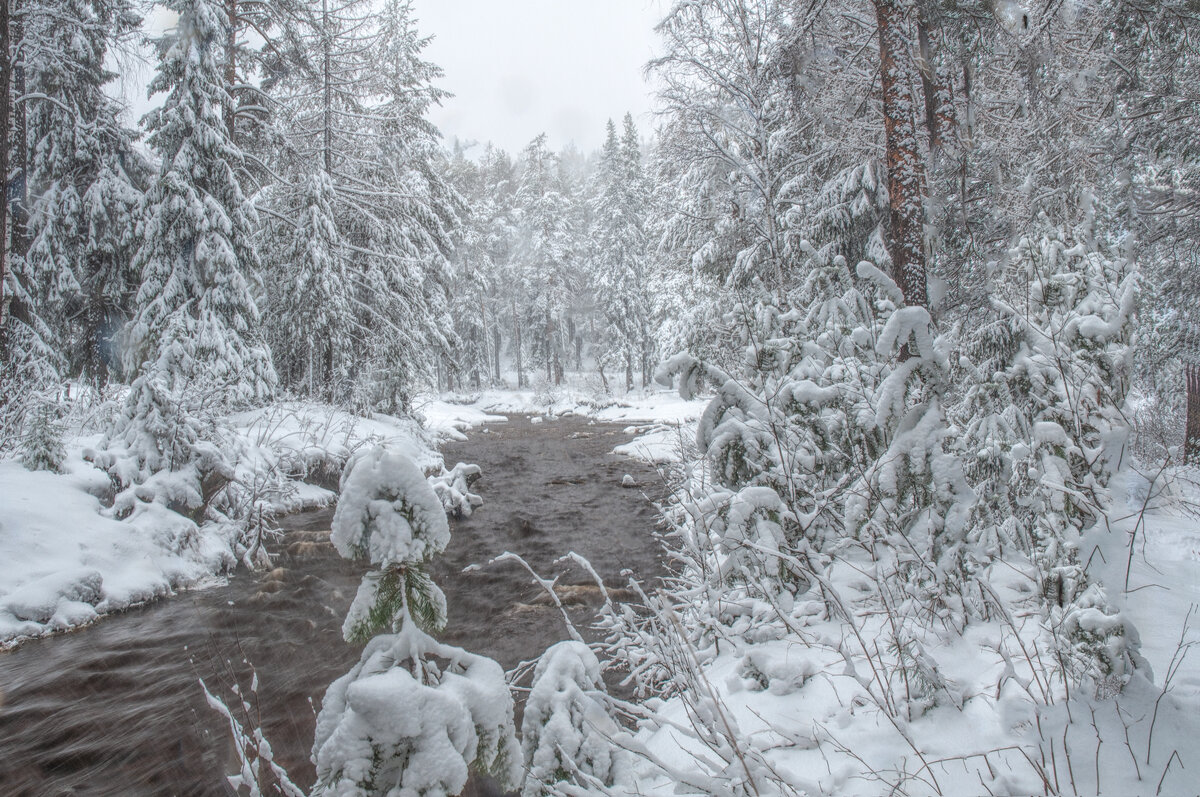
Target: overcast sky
(521,67)
(517,67)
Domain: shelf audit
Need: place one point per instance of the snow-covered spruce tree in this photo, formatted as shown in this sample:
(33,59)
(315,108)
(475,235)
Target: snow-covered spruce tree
(992,427)
(194,342)
(29,361)
(543,253)
(83,177)
(473,276)
(1072,309)
(198,263)
(410,234)
(483,267)
(618,277)
(43,445)
(413,716)
(62,139)
(567,731)
(352,95)
(313,350)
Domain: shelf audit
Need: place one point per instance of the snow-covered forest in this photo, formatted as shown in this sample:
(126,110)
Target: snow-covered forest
(904,295)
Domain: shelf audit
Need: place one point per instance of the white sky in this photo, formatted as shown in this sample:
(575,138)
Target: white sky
(522,67)
(518,68)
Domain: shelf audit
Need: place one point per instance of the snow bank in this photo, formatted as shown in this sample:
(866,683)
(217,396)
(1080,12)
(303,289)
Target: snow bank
(313,442)
(655,415)
(65,564)
(64,561)
(452,414)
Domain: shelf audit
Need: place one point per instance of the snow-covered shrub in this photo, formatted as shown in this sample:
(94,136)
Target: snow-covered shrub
(837,425)
(414,715)
(567,731)
(402,723)
(163,447)
(453,488)
(44,437)
(913,502)
(1070,373)
(30,365)
(389,515)
(992,427)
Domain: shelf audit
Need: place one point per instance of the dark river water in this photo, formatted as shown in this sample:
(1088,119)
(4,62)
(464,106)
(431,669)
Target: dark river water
(116,709)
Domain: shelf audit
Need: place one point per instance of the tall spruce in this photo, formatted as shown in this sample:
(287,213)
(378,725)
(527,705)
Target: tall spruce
(198,262)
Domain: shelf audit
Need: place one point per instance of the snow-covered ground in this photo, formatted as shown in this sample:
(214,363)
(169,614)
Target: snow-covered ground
(63,562)
(803,704)
(662,406)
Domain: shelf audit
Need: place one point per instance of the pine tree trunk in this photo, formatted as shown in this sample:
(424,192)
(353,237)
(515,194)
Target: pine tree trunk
(330,381)
(327,88)
(1191,442)
(477,373)
(94,366)
(496,341)
(906,171)
(5,133)
(628,370)
(550,353)
(19,204)
(517,340)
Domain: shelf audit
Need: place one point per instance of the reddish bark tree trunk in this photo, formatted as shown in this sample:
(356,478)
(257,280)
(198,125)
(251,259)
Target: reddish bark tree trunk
(906,169)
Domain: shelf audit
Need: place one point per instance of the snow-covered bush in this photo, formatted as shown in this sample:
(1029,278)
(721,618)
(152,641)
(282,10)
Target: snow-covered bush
(389,515)
(1070,374)
(163,447)
(402,723)
(453,488)
(567,731)
(44,437)
(866,500)
(913,502)
(414,715)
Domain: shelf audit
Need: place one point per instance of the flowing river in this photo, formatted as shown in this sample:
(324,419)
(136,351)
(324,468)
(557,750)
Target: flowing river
(116,708)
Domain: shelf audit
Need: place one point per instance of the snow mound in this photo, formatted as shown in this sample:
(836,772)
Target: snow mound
(66,563)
